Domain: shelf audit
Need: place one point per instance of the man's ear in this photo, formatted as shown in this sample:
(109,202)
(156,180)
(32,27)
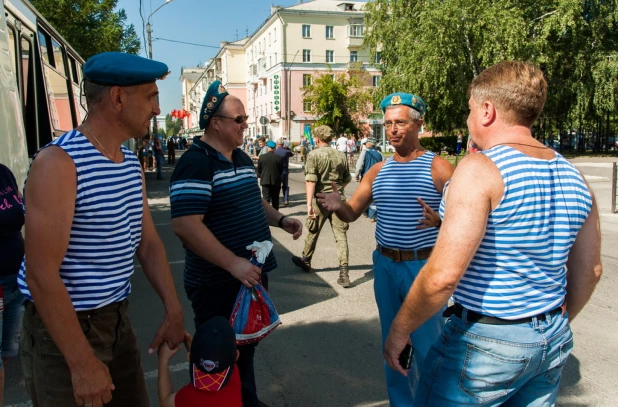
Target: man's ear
(116,94)
(489,113)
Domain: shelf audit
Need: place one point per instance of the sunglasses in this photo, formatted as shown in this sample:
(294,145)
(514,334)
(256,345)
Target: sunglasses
(238,119)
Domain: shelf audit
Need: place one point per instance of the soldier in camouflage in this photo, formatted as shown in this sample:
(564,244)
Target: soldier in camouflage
(324,167)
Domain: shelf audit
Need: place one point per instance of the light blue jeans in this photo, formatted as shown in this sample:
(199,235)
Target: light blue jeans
(475,364)
(10,318)
(392,281)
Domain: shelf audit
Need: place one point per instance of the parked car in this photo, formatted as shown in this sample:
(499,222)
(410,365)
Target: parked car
(389,148)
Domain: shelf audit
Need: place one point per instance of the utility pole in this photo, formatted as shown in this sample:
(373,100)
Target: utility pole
(155,131)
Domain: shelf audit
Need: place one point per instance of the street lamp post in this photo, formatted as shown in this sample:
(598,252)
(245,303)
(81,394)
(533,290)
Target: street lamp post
(149,31)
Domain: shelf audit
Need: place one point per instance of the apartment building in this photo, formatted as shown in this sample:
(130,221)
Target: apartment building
(291,46)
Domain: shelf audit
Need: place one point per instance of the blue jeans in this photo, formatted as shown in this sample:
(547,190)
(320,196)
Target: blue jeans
(392,281)
(159,159)
(10,318)
(475,364)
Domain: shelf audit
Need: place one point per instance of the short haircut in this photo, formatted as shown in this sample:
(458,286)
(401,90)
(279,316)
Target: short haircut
(414,114)
(323,133)
(94,93)
(517,89)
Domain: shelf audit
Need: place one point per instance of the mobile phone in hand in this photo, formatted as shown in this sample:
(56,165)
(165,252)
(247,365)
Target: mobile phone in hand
(405,357)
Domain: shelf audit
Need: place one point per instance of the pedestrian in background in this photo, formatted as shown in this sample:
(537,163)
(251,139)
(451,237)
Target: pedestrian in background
(78,346)
(520,257)
(269,170)
(171,151)
(11,253)
(326,169)
(159,157)
(303,148)
(404,189)
(367,159)
(285,153)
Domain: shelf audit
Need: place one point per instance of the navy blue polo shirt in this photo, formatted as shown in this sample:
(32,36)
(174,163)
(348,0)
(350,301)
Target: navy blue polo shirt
(228,195)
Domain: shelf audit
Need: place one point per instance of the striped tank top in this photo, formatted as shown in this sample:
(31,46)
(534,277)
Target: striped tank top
(394,191)
(519,269)
(106,229)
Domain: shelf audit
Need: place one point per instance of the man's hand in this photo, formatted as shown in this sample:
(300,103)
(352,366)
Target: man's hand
(245,272)
(430,217)
(330,202)
(172,331)
(395,342)
(310,212)
(293,227)
(92,383)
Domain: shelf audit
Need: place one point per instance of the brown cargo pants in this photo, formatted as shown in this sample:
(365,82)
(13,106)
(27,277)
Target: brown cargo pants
(109,332)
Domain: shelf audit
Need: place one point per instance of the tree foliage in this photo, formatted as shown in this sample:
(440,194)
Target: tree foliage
(340,100)
(90,26)
(435,48)
(172,125)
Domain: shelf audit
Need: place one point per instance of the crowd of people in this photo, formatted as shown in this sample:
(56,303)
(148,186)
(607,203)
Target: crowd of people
(480,269)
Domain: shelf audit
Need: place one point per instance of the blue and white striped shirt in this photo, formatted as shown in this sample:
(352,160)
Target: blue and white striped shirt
(519,270)
(395,191)
(106,229)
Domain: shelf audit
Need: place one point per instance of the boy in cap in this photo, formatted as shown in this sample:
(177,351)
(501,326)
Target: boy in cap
(212,369)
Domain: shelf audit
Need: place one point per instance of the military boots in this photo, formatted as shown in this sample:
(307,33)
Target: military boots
(344,278)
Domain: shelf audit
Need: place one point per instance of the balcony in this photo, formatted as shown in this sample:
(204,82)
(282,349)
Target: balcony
(354,42)
(253,79)
(355,66)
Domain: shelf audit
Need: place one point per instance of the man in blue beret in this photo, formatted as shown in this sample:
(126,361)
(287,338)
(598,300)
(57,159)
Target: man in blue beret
(217,211)
(87,217)
(406,190)
(270,171)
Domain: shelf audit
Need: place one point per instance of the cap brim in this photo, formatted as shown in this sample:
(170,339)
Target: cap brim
(210,381)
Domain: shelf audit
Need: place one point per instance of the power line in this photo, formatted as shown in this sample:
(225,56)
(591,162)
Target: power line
(187,43)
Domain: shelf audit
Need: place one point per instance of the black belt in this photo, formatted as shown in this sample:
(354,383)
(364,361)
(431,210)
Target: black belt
(457,310)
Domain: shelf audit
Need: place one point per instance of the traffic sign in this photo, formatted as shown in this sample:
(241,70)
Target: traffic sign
(263,120)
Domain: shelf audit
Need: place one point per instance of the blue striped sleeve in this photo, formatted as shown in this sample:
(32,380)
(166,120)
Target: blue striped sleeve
(191,186)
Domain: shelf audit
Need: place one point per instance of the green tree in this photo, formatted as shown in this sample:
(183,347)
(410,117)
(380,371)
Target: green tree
(90,26)
(340,101)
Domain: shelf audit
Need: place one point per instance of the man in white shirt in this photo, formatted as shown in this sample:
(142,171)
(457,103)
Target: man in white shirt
(342,144)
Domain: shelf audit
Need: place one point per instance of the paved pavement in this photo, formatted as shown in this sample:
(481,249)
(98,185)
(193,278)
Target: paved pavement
(327,352)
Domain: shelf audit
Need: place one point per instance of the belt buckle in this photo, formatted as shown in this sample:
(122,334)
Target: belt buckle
(398,256)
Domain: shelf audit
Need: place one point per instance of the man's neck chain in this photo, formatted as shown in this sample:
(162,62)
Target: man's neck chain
(519,144)
(98,142)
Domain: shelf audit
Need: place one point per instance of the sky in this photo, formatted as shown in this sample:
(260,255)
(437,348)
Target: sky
(205,22)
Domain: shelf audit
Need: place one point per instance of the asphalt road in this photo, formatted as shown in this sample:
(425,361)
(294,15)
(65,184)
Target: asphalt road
(327,352)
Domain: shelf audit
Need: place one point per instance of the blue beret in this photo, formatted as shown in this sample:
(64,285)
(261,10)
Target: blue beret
(214,96)
(271,144)
(120,69)
(406,99)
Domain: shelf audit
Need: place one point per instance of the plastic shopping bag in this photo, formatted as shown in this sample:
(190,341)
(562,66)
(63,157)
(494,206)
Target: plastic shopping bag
(254,315)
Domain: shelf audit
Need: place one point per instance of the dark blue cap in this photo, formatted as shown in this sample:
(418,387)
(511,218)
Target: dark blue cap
(121,69)
(271,144)
(406,99)
(214,96)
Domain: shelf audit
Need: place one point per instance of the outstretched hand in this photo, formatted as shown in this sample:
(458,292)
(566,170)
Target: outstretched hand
(293,227)
(430,217)
(331,201)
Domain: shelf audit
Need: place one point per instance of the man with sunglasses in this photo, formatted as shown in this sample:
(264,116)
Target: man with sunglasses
(405,188)
(217,211)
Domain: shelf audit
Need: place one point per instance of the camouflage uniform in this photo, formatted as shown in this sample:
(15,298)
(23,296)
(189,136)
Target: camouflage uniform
(324,165)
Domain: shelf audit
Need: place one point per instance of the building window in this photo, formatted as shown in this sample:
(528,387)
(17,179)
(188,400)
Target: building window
(378,57)
(269,42)
(330,56)
(270,81)
(306,55)
(275,35)
(306,106)
(306,31)
(356,30)
(271,107)
(306,79)
(376,80)
(270,61)
(330,32)
(353,56)
(275,58)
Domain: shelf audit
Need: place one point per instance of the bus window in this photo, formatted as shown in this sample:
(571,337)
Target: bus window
(73,68)
(58,97)
(58,57)
(44,44)
(12,51)
(29,106)
(81,113)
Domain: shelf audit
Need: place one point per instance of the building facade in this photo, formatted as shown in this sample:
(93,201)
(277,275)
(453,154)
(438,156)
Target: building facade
(269,69)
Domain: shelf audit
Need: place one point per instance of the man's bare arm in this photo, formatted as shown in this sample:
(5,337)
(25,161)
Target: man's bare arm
(351,210)
(441,172)
(51,192)
(584,267)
